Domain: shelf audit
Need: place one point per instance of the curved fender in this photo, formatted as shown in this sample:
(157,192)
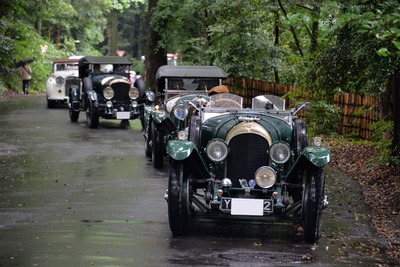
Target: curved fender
(74,94)
(159,116)
(319,156)
(180,150)
(187,151)
(92,95)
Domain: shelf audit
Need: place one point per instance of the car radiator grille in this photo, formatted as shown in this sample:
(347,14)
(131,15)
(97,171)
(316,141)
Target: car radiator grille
(69,82)
(121,91)
(247,153)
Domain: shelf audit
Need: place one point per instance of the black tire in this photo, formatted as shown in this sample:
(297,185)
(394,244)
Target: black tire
(301,136)
(73,115)
(92,115)
(50,104)
(157,145)
(179,198)
(148,148)
(313,201)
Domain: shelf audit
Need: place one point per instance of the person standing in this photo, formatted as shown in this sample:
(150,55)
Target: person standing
(25,73)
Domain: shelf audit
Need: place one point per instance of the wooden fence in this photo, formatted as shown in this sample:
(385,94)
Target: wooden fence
(358,112)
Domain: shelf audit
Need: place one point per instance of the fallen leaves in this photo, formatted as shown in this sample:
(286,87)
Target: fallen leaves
(380,184)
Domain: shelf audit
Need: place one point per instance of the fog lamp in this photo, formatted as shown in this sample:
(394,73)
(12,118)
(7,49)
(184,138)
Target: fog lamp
(134,104)
(265,177)
(109,104)
(182,135)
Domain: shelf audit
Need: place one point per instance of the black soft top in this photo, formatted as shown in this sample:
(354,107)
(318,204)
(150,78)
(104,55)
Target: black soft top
(104,60)
(190,72)
(86,61)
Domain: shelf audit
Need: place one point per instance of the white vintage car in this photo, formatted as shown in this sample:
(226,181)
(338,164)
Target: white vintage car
(64,74)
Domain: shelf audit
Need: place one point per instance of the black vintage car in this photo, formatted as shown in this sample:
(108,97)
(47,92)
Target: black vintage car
(107,91)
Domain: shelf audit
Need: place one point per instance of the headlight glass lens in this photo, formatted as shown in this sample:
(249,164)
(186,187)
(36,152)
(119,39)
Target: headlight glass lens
(133,93)
(180,112)
(280,152)
(59,80)
(317,141)
(265,177)
(108,93)
(217,150)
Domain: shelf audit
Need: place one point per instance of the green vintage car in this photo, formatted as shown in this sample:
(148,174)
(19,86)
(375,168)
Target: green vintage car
(247,163)
(182,88)
(108,91)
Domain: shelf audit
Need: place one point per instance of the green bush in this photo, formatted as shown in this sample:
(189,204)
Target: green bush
(323,118)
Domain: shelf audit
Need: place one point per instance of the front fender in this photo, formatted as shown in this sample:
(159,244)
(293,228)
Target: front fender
(92,95)
(180,150)
(187,152)
(159,115)
(319,156)
(74,94)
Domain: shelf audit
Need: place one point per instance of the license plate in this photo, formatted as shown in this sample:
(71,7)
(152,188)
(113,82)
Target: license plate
(123,115)
(246,206)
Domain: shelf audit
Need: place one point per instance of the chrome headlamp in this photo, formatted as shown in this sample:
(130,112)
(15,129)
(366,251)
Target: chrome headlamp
(217,150)
(181,112)
(280,152)
(134,93)
(317,141)
(265,177)
(60,80)
(108,93)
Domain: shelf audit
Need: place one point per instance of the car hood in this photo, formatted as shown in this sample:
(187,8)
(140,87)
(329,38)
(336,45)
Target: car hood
(273,128)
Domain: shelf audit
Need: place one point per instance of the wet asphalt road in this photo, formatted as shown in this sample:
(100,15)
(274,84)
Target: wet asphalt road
(74,196)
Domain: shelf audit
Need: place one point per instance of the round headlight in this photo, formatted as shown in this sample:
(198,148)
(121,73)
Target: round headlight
(181,112)
(108,93)
(280,152)
(217,150)
(265,177)
(133,93)
(317,141)
(59,80)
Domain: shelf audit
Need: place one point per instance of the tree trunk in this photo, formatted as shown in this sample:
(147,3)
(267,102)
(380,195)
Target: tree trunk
(112,33)
(155,56)
(276,42)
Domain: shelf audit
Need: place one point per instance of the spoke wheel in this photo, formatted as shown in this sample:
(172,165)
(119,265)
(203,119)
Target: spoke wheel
(179,200)
(92,115)
(312,207)
(157,145)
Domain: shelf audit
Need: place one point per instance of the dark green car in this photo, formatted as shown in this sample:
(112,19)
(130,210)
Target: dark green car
(182,88)
(108,91)
(246,163)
